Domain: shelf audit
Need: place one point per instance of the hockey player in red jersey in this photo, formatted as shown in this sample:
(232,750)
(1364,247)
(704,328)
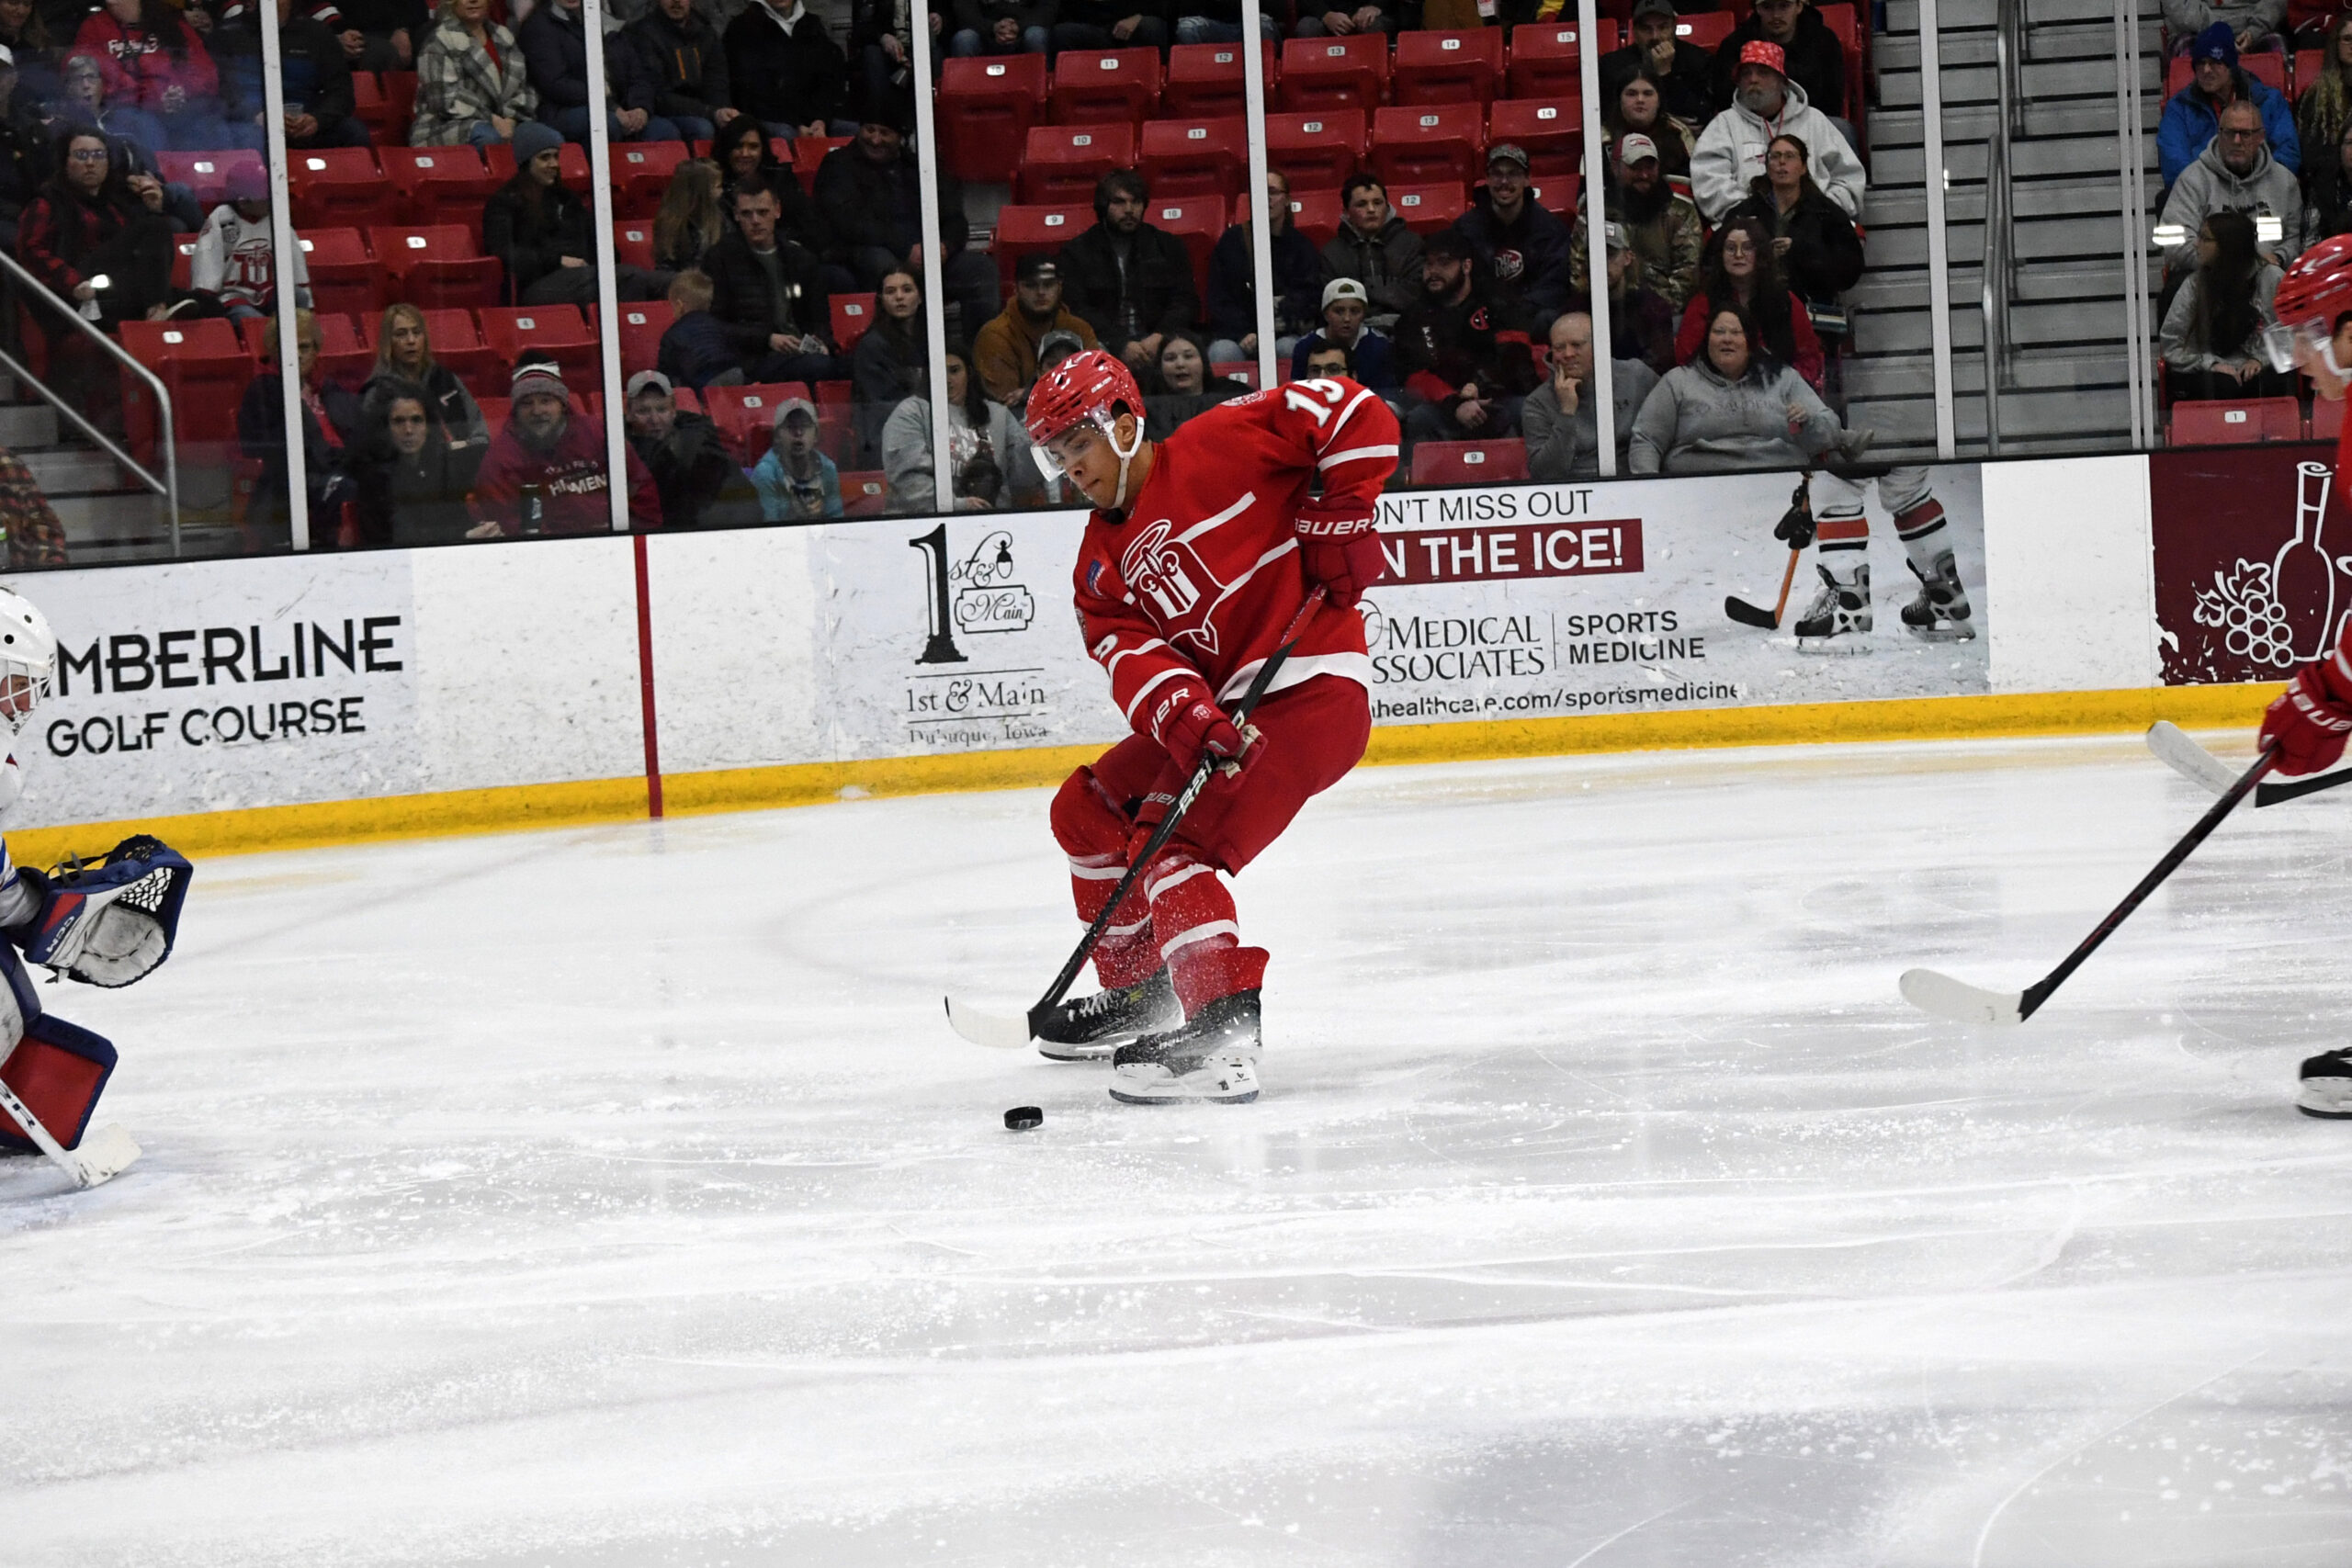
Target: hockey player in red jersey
(2309,721)
(1202,551)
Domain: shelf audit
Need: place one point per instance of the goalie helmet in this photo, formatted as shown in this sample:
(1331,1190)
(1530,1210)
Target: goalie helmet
(27,658)
(2316,289)
(1086,388)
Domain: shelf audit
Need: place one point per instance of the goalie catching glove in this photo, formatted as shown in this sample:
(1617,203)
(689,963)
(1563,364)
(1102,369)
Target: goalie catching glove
(108,924)
(1340,547)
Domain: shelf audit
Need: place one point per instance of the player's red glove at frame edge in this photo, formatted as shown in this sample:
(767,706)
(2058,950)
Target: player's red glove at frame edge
(2310,720)
(1340,549)
(1187,721)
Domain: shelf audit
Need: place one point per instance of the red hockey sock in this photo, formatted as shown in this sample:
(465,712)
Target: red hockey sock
(1199,931)
(1094,833)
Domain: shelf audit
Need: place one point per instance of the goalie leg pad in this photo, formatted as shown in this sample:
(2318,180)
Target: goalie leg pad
(58,1069)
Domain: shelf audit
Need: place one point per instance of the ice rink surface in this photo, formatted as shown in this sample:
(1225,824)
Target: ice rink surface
(618,1197)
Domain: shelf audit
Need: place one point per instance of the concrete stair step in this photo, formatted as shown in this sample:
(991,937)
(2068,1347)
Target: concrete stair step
(2069,239)
(2061,157)
(24,426)
(1893,289)
(2075,199)
(2051,375)
(117,520)
(2075,323)
(71,471)
(2043,83)
(1903,16)
(1894,128)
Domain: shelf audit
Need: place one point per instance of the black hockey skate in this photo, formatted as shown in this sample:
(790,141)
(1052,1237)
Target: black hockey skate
(1839,616)
(1941,612)
(1212,1056)
(1090,1028)
(2326,1089)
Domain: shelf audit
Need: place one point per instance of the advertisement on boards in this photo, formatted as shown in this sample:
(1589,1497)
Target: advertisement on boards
(2253,551)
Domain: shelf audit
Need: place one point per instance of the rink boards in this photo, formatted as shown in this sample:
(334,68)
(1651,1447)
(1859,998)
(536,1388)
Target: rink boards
(307,699)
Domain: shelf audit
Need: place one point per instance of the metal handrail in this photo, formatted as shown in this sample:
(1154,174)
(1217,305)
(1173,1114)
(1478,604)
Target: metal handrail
(1998,282)
(169,486)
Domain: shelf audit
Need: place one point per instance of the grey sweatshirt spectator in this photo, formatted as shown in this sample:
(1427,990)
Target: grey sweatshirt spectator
(1727,411)
(1564,442)
(1730,153)
(2236,173)
(2251,20)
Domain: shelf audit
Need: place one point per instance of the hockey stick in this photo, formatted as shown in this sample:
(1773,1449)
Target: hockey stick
(1749,615)
(2193,763)
(103,1153)
(1946,997)
(1009,1033)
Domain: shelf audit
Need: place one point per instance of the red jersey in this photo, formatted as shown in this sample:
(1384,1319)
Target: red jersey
(1204,575)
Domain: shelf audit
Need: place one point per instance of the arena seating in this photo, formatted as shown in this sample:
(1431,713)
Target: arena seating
(434,266)
(1428,143)
(1448,67)
(1194,157)
(336,185)
(344,274)
(535,331)
(1469,462)
(2222,421)
(439,184)
(853,314)
(641,330)
(1206,79)
(1111,87)
(1061,163)
(1019,230)
(986,106)
(1334,73)
(1317,148)
(746,415)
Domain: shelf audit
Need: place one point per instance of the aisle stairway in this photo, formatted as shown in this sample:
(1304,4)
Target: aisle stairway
(107,515)
(2065,387)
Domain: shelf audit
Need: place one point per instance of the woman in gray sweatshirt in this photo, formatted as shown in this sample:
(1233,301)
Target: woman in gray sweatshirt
(1730,409)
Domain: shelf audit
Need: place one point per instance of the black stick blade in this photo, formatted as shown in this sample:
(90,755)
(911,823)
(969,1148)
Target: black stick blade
(1748,614)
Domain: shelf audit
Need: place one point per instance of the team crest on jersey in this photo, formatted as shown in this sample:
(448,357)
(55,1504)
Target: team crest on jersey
(1172,578)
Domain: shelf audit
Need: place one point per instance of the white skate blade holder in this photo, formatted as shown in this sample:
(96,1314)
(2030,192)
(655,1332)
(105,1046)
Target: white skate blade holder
(1005,1031)
(1849,645)
(104,1153)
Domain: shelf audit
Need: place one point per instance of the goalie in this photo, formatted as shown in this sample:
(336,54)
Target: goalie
(106,924)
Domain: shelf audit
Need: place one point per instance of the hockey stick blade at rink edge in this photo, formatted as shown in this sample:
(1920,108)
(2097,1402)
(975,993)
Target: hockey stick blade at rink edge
(103,1155)
(983,1028)
(1946,997)
(1756,615)
(2193,763)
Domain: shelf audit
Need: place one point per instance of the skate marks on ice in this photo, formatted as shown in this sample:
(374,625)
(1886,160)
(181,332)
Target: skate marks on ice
(1602,1191)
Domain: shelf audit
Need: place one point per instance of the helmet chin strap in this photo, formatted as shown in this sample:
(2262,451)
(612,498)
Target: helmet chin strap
(1117,510)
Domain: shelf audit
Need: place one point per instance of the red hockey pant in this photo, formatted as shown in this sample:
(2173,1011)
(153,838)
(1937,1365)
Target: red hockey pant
(1179,913)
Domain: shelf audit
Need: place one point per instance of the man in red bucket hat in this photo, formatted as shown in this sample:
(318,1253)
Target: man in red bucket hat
(1765,103)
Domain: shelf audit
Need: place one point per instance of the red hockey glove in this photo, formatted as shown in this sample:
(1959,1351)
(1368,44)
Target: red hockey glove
(2309,722)
(1340,549)
(1190,725)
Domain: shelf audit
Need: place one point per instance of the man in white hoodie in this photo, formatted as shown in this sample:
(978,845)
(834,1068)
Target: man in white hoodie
(1765,103)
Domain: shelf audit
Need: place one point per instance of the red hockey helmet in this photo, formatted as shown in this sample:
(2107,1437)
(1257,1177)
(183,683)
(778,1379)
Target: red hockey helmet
(2315,291)
(1087,388)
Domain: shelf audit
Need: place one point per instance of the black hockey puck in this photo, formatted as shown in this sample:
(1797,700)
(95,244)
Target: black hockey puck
(1021,1118)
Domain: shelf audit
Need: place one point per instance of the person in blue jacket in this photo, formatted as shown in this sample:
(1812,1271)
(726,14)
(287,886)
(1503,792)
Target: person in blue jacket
(2193,116)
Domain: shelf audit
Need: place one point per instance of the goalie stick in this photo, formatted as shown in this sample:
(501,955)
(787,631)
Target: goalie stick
(1930,991)
(103,1155)
(2193,763)
(1011,1033)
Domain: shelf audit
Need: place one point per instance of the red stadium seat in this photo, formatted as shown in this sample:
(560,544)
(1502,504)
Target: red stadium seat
(2224,422)
(1119,85)
(641,330)
(1556,194)
(343,274)
(2306,72)
(2177,73)
(456,339)
(2268,69)
(400,106)
(369,106)
(1319,149)
(437,266)
(1428,143)
(1705,29)
(1427,209)
(1195,157)
(496,411)
(746,415)
(335,186)
(633,243)
(1206,79)
(864,494)
(516,333)
(203,366)
(986,107)
(1448,67)
(345,353)
(1543,58)
(184,261)
(1315,213)
(1021,230)
(1334,73)
(642,172)
(837,420)
(439,184)
(1551,132)
(853,314)
(1198,222)
(1845,24)
(807,153)
(2327,418)
(1469,462)
(1242,370)
(1062,161)
(206,173)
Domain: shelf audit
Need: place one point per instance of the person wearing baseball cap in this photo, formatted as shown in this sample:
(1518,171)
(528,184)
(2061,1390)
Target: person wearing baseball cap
(1524,245)
(797,483)
(1005,350)
(236,262)
(1811,54)
(2192,117)
(1371,355)
(545,472)
(1660,222)
(693,473)
(1464,350)
(1681,72)
(1765,103)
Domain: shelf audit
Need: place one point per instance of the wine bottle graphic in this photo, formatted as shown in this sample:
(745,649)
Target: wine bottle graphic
(2302,575)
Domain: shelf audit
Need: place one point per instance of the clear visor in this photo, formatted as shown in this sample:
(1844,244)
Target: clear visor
(2288,343)
(1056,456)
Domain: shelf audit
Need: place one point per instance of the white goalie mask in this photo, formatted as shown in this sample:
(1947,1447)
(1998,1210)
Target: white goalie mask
(27,659)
